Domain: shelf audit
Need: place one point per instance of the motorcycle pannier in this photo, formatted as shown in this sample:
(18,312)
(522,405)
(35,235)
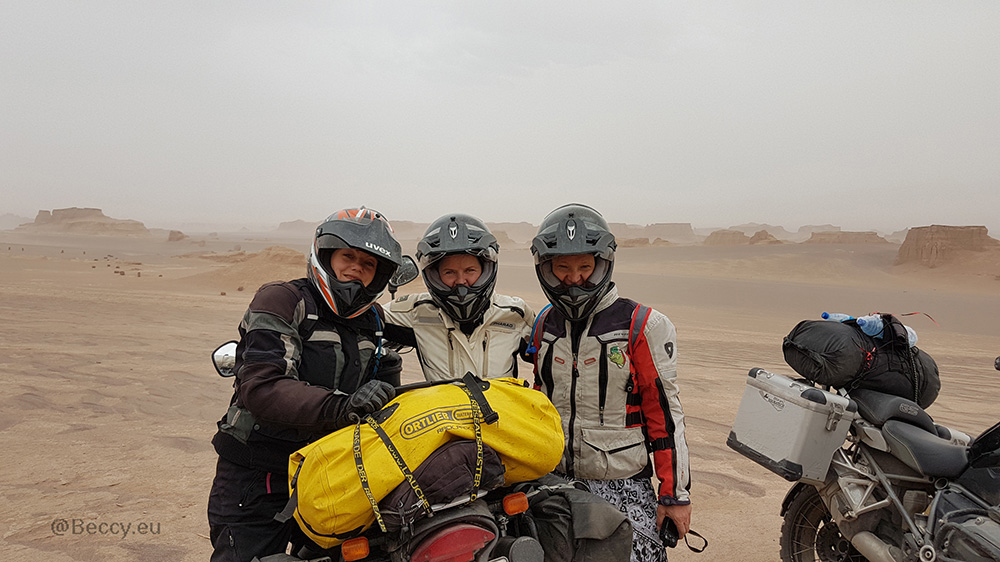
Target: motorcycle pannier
(790,427)
(333,505)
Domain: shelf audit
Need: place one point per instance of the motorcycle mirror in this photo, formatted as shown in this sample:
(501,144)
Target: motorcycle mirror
(224,359)
(406,272)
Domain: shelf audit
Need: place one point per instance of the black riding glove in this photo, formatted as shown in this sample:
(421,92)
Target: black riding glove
(369,398)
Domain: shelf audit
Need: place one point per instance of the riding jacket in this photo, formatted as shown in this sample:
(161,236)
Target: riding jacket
(617,405)
(296,362)
(446,352)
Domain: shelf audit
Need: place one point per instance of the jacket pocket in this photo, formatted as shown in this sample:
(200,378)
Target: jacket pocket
(610,453)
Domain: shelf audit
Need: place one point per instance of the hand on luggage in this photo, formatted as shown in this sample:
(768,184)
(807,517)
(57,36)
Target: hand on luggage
(369,398)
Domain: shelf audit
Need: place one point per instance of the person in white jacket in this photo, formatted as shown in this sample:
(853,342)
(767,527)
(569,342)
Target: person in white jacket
(460,325)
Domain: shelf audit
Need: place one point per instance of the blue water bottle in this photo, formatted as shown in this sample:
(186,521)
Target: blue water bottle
(836,316)
(871,325)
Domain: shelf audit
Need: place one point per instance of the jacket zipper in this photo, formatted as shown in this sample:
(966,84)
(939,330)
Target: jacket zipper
(486,355)
(451,354)
(570,461)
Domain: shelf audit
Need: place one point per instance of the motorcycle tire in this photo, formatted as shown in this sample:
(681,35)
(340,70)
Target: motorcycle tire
(808,533)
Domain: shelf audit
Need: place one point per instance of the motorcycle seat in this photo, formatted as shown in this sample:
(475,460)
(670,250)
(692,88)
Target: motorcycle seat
(923,451)
(879,407)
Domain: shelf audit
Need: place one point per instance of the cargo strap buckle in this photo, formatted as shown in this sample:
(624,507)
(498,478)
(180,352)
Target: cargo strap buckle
(835,416)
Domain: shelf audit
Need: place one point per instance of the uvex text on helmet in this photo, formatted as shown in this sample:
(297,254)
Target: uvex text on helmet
(361,229)
(459,234)
(570,230)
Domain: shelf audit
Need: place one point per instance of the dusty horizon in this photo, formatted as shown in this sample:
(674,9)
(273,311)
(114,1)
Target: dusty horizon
(11,221)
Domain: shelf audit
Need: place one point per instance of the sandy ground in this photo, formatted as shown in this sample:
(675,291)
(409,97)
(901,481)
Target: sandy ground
(110,399)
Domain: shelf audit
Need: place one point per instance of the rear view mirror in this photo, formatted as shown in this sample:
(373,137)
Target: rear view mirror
(406,272)
(224,359)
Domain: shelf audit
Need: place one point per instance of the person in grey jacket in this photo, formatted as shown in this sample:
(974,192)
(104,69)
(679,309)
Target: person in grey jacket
(461,324)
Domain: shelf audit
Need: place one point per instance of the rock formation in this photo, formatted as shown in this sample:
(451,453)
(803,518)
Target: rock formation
(176,236)
(764,237)
(753,228)
(677,232)
(505,242)
(804,232)
(77,220)
(897,237)
(842,237)
(632,242)
(938,244)
(727,238)
(9,221)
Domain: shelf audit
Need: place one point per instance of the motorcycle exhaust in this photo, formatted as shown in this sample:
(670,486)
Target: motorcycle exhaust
(873,548)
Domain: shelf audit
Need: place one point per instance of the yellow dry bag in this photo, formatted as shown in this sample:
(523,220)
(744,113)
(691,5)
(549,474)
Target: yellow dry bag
(326,476)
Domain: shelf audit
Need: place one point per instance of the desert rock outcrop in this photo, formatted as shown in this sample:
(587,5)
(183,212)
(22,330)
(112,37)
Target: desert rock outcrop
(727,238)
(937,244)
(844,237)
(763,237)
(78,220)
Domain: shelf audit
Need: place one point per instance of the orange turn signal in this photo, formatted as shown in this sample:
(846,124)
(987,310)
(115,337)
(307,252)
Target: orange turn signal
(355,549)
(515,503)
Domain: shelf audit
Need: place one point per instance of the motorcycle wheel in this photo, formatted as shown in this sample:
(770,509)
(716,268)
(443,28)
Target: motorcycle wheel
(808,533)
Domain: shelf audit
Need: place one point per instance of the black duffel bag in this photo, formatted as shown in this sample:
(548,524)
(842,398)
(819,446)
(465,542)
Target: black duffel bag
(840,355)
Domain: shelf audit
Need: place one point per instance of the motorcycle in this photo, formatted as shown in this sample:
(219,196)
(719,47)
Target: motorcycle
(461,530)
(485,529)
(897,488)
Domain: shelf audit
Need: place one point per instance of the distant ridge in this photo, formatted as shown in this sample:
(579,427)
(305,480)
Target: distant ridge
(79,220)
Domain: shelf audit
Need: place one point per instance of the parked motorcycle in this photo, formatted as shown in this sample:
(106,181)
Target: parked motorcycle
(462,530)
(496,526)
(876,478)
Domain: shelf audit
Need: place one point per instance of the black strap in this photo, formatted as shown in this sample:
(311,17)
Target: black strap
(475,389)
(477,415)
(693,549)
(602,382)
(293,500)
(398,458)
(363,476)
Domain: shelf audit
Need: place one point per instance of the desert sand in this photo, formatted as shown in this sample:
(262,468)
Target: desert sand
(110,399)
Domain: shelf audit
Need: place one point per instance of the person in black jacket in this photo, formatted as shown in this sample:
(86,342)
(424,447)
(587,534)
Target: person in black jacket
(309,358)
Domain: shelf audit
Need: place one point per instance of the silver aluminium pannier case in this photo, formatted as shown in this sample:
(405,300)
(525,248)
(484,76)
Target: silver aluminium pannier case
(790,427)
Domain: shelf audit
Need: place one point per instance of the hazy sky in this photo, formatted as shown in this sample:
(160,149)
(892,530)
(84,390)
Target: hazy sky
(863,114)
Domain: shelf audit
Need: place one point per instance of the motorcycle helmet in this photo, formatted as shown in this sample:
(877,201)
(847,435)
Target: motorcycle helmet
(362,229)
(459,234)
(569,230)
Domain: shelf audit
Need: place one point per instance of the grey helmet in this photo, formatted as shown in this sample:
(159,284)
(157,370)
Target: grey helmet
(459,234)
(569,230)
(362,229)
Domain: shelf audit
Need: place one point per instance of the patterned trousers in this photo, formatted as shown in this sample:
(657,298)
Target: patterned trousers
(637,500)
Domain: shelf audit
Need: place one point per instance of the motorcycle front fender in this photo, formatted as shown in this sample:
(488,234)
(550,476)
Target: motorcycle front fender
(792,492)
